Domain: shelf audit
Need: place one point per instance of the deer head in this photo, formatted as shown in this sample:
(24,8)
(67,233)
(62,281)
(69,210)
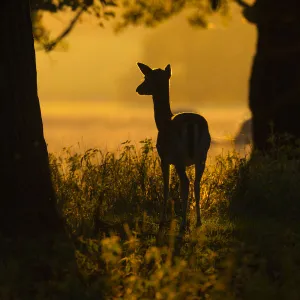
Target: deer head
(155,80)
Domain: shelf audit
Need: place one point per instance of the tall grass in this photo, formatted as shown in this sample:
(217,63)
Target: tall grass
(100,192)
(127,187)
(247,248)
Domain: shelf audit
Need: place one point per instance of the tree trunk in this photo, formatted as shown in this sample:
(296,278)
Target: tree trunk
(37,254)
(27,203)
(274,91)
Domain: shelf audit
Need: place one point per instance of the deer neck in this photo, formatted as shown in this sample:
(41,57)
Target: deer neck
(162,109)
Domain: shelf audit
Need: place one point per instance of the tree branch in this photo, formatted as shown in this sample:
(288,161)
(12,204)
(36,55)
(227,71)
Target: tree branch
(51,45)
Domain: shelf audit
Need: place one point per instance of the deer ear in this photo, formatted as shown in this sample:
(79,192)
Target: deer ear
(144,68)
(168,70)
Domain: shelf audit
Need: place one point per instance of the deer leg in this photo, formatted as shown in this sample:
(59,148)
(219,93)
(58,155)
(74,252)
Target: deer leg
(166,178)
(184,194)
(199,170)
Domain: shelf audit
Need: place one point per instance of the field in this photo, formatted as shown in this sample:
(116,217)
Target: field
(247,248)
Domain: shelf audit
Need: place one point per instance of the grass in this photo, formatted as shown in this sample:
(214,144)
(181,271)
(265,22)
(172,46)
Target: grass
(127,187)
(247,248)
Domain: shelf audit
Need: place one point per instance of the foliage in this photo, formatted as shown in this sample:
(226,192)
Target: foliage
(127,12)
(129,183)
(100,9)
(96,188)
(152,13)
(248,246)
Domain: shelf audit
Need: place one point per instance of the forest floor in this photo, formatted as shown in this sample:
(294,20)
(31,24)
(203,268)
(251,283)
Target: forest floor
(247,248)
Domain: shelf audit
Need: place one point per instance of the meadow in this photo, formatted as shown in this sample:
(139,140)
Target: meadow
(247,248)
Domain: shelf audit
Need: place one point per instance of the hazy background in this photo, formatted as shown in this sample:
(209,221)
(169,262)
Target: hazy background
(87,92)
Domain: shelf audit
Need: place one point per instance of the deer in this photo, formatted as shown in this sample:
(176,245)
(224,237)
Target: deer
(183,139)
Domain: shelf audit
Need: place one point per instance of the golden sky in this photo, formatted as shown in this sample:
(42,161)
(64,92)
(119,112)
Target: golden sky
(87,92)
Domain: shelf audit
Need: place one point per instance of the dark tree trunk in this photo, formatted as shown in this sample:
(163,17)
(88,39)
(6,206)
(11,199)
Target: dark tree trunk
(274,91)
(27,203)
(32,236)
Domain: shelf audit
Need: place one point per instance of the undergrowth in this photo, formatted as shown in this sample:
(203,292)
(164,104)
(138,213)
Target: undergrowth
(248,246)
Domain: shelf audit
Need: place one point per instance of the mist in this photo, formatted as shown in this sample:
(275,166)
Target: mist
(87,91)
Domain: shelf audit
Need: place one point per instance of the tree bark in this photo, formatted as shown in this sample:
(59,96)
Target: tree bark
(27,202)
(274,88)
